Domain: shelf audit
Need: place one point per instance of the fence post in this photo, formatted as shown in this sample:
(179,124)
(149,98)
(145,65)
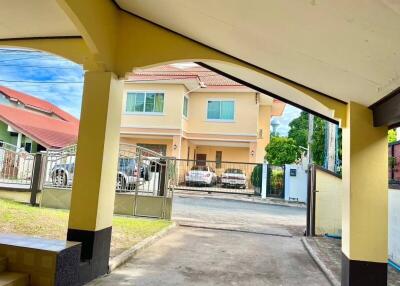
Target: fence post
(163,172)
(36,178)
(310,229)
(264,175)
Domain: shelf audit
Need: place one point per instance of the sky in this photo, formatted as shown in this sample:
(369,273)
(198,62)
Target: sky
(60,81)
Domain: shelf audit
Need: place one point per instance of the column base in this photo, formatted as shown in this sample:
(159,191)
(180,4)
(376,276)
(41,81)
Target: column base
(363,273)
(95,252)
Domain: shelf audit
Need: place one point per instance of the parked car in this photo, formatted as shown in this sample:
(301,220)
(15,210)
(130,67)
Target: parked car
(201,175)
(62,174)
(233,178)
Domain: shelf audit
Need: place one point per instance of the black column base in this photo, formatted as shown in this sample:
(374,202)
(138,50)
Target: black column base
(95,252)
(363,273)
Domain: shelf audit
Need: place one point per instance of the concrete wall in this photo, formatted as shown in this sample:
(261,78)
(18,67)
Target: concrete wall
(328,210)
(296,186)
(22,196)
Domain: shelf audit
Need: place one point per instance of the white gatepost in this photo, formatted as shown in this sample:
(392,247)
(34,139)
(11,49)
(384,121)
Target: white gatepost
(264,177)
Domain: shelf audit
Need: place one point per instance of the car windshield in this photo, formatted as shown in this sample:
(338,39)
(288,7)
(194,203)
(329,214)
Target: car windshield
(233,171)
(199,168)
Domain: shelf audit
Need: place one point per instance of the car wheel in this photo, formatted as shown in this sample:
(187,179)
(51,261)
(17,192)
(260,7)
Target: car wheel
(60,179)
(147,175)
(121,184)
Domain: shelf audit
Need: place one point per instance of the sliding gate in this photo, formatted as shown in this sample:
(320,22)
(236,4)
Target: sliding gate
(218,176)
(143,185)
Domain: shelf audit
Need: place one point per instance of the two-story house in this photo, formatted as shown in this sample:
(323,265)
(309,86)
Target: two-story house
(193,113)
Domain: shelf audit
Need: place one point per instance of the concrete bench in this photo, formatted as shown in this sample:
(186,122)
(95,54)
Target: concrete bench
(46,261)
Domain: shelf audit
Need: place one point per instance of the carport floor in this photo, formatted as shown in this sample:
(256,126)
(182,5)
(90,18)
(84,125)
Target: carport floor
(201,256)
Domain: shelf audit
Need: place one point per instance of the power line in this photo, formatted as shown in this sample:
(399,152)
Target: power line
(52,58)
(40,82)
(42,67)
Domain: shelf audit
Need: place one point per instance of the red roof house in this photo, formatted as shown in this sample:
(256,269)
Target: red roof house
(37,119)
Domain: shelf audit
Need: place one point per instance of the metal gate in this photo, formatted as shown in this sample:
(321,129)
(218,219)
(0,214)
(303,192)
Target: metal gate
(144,178)
(218,176)
(276,181)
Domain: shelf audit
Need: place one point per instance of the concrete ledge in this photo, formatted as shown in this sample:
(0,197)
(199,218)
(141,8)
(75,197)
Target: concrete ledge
(128,254)
(327,272)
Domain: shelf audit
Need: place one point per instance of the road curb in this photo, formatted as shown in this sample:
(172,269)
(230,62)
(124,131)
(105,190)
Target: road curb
(120,259)
(327,272)
(291,205)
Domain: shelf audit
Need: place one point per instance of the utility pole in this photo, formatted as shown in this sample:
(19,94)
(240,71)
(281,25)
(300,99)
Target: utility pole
(330,159)
(310,137)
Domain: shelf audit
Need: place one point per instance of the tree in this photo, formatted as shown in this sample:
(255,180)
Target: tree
(282,150)
(392,135)
(299,133)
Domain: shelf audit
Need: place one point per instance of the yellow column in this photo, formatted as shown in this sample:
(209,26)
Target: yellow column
(365,206)
(176,146)
(264,118)
(93,190)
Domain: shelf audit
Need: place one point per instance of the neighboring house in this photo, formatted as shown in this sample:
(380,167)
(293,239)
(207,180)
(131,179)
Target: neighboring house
(196,114)
(34,124)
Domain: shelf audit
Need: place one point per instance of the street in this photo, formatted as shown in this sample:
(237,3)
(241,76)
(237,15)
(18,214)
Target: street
(225,242)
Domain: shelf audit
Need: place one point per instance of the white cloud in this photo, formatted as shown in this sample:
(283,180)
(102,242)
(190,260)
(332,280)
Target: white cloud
(288,115)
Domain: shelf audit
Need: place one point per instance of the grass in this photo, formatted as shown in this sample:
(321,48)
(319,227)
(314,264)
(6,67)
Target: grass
(51,223)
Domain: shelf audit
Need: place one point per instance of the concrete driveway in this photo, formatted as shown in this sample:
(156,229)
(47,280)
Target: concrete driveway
(225,243)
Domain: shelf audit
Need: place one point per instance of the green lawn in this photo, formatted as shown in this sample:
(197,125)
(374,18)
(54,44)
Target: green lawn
(51,223)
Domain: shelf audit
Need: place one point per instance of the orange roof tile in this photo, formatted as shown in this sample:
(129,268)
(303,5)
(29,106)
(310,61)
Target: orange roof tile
(37,103)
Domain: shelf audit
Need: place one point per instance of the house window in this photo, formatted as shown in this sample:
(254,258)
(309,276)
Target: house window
(28,147)
(185,106)
(218,159)
(145,102)
(221,110)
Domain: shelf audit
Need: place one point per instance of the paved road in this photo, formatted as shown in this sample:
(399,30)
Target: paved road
(256,248)
(239,215)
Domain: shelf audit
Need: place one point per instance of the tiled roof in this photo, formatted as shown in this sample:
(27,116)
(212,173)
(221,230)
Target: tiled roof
(37,103)
(169,72)
(48,131)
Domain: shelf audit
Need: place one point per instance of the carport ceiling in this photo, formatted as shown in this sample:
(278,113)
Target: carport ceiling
(38,18)
(346,49)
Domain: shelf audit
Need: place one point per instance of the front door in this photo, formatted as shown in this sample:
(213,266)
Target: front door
(201,159)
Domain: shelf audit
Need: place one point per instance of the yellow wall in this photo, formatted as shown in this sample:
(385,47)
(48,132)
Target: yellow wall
(173,106)
(328,210)
(246,114)
(233,154)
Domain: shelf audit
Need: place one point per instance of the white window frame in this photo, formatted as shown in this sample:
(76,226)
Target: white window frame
(144,113)
(221,120)
(183,107)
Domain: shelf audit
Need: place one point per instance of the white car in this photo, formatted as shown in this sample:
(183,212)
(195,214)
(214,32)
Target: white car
(233,178)
(201,175)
